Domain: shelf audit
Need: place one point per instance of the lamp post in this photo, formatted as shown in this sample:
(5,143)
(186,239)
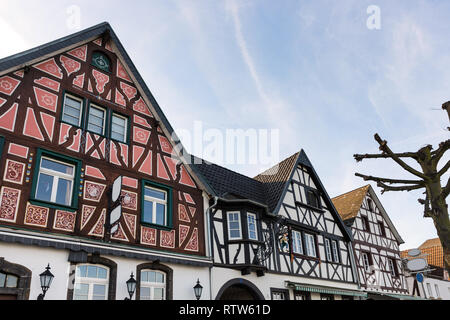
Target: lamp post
(46,278)
(198,290)
(131,286)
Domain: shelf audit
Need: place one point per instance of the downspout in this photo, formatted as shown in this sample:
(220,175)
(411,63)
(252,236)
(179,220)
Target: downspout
(208,228)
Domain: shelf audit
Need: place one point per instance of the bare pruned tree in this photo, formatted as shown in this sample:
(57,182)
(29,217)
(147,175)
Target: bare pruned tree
(428,178)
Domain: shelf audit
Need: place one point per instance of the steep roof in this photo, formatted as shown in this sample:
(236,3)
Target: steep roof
(348,204)
(434,251)
(431,243)
(274,180)
(28,57)
(227,183)
(266,188)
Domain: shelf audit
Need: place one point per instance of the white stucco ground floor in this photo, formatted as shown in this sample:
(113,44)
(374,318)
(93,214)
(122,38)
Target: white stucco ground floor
(81,274)
(228,283)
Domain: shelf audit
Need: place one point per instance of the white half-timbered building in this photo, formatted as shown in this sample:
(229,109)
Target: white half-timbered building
(376,244)
(277,236)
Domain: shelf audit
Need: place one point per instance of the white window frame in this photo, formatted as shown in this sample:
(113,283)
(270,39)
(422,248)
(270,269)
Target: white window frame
(430,293)
(438,294)
(328,250)
(392,267)
(297,236)
(125,133)
(310,241)
(104,118)
(153,285)
(92,281)
(252,215)
(366,261)
(278,295)
(240,225)
(56,176)
(81,107)
(156,201)
(335,250)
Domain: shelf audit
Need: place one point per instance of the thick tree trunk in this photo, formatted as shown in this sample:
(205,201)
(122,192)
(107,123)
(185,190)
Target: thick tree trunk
(439,213)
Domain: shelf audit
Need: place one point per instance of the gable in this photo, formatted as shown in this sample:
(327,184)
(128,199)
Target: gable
(295,201)
(33,88)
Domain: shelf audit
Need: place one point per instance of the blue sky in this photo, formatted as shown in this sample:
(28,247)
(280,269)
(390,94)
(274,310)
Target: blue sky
(311,69)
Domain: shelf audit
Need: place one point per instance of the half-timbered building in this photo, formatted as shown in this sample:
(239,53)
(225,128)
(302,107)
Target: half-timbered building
(277,236)
(75,115)
(376,243)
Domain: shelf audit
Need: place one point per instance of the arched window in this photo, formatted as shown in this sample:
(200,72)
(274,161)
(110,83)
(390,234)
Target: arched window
(154,282)
(91,282)
(15,281)
(153,285)
(101,61)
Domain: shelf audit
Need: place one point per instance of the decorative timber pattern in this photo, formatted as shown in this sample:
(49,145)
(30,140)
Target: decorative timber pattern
(31,103)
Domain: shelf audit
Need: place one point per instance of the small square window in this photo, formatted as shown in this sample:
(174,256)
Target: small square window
(313,199)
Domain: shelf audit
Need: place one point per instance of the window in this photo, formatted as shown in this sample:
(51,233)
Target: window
(430,294)
(393,268)
(438,295)
(101,61)
(348,298)
(370,204)
(153,285)
(365,223)
(279,294)
(297,245)
(234,225)
(72,110)
(328,250)
(55,181)
(366,261)
(310,245)
(96,120)
(91,282)
(119,128)
(328,297)
(313,199)
(302,295)
(382,229)
(334,247)
(8,280)
(155,206)
(252,228)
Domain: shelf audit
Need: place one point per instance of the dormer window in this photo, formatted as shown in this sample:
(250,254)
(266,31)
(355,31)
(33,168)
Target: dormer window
(101,61)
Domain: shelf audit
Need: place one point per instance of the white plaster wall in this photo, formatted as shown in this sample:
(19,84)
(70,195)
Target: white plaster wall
(221,276)
(37,258)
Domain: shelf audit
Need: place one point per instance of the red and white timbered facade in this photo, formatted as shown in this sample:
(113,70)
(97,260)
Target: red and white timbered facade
(74,117)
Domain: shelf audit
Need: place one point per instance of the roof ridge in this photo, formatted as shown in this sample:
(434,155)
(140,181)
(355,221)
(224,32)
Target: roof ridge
(225,168)
(288,158)
(341,195)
